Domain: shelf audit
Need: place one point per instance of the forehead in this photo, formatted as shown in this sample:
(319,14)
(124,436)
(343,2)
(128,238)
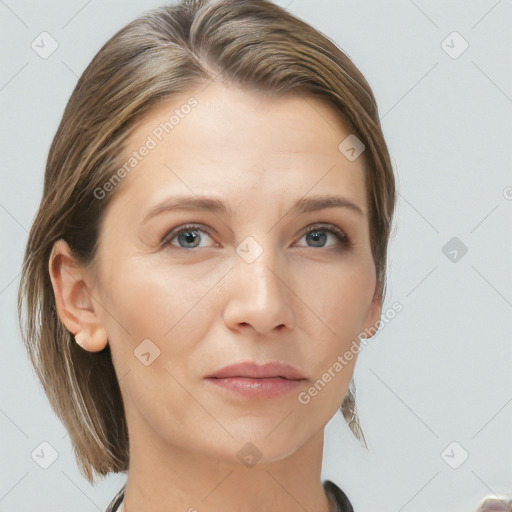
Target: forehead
(227,137)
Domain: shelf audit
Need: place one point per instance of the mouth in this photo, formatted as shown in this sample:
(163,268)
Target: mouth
(257,381)
(253,370)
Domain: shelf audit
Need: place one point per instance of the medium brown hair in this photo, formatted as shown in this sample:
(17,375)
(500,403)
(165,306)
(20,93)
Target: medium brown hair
(254,44)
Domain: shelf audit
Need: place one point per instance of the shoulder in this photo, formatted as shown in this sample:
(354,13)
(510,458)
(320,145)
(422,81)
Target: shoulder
(338,496)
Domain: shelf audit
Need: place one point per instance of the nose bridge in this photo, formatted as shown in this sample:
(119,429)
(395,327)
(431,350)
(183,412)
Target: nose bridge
(259,295)
(256,268)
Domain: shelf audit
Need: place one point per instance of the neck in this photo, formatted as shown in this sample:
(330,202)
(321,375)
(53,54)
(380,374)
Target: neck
(161,477)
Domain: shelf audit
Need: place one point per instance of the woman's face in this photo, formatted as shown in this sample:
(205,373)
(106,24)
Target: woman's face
(245,283)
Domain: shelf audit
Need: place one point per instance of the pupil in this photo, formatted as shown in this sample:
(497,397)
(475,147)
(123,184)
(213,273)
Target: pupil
(316,235)
(189,236)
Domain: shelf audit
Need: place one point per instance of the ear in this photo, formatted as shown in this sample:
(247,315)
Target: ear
(372,322)
(73,299)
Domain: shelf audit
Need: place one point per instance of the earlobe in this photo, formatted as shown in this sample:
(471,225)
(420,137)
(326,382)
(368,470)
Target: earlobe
(73,299)
(92,342)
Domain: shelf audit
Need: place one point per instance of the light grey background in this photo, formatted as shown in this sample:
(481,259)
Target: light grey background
(440,371)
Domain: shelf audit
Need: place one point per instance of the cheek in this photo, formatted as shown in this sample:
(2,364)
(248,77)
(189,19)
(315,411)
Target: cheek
(151,300)
(338,298)
(161,304)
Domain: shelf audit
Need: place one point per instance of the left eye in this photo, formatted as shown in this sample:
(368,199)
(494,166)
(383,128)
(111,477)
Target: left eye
(190,235)
(316,234)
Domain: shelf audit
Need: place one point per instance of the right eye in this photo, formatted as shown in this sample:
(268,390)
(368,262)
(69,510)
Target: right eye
(187,236)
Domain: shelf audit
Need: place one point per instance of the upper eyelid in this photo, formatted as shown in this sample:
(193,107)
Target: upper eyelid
(328,226)
(201,227)
(172,233)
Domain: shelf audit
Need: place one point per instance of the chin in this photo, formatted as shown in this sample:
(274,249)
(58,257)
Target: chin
(258,447)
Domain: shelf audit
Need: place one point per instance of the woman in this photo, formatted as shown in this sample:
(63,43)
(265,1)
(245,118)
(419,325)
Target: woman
(209,252)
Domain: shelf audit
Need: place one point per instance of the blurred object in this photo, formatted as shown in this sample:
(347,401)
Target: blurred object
(496,504)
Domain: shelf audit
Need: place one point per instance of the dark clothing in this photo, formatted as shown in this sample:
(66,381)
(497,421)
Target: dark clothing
(338,496)
(331,490)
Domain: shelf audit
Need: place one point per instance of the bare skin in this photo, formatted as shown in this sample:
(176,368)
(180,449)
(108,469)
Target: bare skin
(302,301)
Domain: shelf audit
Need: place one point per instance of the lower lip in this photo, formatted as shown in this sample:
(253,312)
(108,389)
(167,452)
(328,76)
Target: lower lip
(257,388)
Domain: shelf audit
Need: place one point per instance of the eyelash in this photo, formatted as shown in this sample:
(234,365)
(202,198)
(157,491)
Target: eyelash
(344,240)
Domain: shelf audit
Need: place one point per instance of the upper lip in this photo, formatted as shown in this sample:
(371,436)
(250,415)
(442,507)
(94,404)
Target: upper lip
(251,369)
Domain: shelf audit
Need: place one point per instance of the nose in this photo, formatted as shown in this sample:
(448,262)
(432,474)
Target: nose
(259,295)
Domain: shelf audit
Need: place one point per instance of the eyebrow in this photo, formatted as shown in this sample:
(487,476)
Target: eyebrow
(303,205)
